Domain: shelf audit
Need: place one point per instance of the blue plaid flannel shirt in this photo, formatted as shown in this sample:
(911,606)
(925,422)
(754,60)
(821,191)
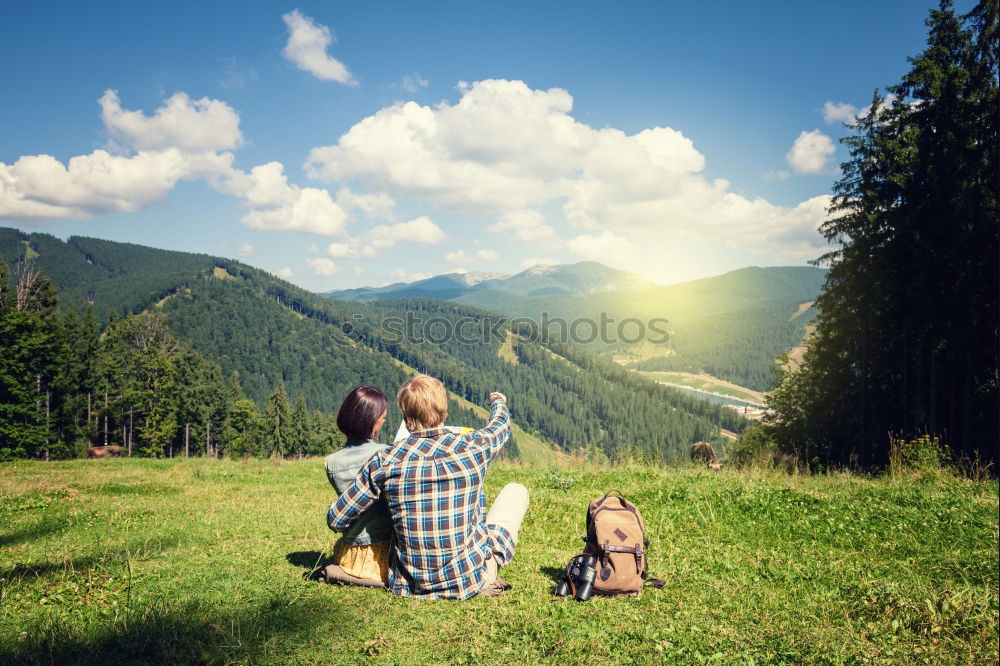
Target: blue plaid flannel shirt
(433,484)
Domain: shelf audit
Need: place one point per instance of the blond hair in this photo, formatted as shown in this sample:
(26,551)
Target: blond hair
(424,403)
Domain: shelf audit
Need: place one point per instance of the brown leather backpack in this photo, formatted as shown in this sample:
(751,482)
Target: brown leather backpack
(616,537)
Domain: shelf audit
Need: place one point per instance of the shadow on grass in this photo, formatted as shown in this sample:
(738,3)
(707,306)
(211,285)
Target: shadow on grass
(109,558)
(40,529)
(134,489)
(554,573)
(194,633)
(310,560)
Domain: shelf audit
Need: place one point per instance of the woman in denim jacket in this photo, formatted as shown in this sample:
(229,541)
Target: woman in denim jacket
(362,552)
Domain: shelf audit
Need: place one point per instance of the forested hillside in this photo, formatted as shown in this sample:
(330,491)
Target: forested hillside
(732,326)
(739,346)
(575,399)
(110,276)
(265,333)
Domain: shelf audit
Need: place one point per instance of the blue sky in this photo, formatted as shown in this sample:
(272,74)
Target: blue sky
(345,144)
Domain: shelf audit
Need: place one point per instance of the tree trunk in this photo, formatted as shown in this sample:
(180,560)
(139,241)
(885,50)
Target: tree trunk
(906,399)
(131,430)
(968,393)
(932,396)
(187,440)
(105,418)
(208,438)
(863,395)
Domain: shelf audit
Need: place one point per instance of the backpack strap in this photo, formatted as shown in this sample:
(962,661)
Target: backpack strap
(609,494)
(602,550)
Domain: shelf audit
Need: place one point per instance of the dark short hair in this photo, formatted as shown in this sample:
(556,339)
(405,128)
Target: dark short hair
(360,411)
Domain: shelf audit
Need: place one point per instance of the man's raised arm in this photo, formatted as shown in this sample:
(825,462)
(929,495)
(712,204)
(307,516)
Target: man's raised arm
(497,431)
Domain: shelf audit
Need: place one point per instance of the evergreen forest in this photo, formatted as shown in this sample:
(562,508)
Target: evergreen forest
(209,356)
(906,338)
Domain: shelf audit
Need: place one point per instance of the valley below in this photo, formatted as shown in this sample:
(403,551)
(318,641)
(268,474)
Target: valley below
(708,385)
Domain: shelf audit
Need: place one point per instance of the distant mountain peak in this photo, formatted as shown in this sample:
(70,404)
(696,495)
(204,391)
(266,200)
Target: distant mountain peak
(540,269)
(584,277)
(472,278)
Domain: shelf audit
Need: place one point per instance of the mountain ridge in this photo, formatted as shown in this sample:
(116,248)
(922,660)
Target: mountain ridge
(584,277)
(732,326)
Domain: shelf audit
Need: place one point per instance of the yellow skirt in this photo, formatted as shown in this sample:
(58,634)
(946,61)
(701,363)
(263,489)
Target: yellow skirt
(364,561)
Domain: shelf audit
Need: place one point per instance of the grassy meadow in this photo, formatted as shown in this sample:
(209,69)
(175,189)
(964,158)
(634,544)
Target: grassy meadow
(203,561)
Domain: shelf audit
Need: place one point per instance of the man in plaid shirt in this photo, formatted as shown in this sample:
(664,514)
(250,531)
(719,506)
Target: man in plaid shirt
(446,546)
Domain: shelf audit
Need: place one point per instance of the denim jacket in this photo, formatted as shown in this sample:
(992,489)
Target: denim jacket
(341,468)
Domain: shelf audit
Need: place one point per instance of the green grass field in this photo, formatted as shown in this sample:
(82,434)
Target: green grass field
(202,561)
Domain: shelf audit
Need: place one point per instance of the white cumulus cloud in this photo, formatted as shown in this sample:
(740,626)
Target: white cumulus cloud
(189,125)
(530,262)
(811,152)
(285,272)
(504,148)
(414,82)
(838,112)
(341,250)
(525,225)
(463,257)
(402,276)
(421,230)
(276,205)
(844,112)
(322,266)
(183,139)
(179,141)
(307,45)
(376,205)
(42,186)
(606,247)
(245,250)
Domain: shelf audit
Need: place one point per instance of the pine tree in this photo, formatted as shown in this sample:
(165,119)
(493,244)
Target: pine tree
(137,383)
(301,428)
(30,354)
(278,433)
(246,429)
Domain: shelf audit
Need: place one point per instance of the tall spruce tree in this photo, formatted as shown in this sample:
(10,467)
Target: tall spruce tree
(302,429)
(278,431)
(74,385)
